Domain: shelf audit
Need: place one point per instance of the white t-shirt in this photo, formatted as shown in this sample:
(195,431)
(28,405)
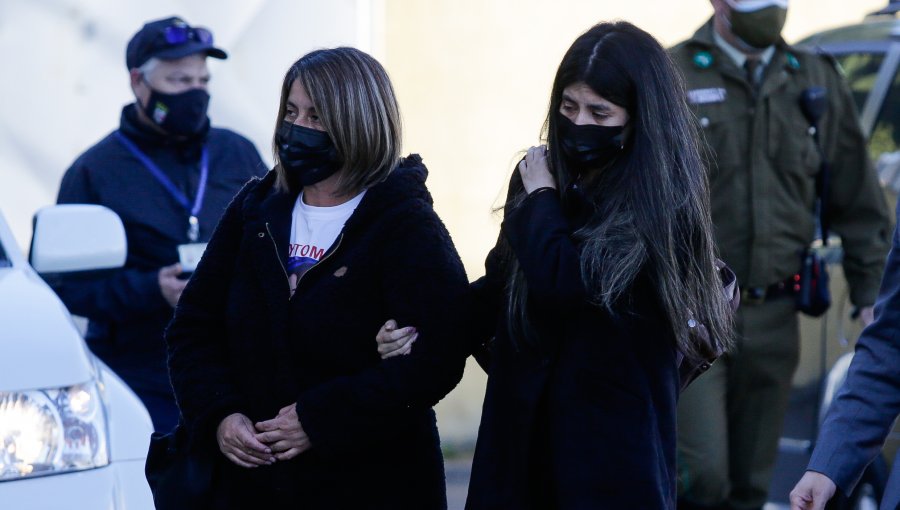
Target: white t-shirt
(313,231)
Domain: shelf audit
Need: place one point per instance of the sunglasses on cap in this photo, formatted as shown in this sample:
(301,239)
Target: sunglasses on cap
(179,34)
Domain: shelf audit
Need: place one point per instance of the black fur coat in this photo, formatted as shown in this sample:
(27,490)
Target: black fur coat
(240,343)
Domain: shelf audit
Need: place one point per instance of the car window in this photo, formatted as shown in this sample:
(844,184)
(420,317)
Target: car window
(886,135)
(884,144)
(860,69)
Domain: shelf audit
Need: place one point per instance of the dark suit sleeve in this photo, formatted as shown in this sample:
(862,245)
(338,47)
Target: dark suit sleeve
(539,235)
(861,415)
(424,285)
(198,365)
(122,295)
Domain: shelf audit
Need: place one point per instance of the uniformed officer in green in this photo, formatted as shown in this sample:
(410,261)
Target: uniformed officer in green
(744,83)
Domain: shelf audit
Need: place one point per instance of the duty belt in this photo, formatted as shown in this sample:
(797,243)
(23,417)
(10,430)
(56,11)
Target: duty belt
(759,295)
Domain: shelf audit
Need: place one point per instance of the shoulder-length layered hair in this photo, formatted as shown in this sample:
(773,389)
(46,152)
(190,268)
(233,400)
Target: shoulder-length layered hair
(356,105)
(649,208)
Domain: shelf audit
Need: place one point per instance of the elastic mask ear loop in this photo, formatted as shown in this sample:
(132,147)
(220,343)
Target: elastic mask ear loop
(627,129)
(146,83)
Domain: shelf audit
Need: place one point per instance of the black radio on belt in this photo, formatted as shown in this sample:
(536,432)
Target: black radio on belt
(812,292)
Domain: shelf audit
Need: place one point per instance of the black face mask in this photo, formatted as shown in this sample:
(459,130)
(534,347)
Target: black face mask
(307,155)
(588,146)
(181,114)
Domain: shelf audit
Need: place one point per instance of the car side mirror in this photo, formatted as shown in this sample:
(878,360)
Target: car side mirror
(77,238)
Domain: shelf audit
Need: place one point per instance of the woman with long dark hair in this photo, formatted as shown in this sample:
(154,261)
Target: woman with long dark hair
(603,285)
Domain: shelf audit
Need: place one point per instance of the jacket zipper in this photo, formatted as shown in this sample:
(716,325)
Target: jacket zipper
(278,257)
(323,259)
(286,276)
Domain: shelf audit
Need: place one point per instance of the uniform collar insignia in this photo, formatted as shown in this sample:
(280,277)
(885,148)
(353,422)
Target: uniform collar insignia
(792,61)
(703,59)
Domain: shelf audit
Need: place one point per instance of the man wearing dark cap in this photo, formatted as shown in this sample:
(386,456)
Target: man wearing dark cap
(169,176)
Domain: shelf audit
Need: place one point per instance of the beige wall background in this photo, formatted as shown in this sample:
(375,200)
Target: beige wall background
(473,78)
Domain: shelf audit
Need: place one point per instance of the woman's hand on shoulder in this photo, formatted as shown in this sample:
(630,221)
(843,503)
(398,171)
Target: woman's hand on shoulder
(284,434)
(535,170)
(237,441)
(393,341)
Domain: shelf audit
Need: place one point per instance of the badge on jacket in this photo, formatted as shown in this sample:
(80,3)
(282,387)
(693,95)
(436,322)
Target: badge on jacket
(189,255)
(706,96)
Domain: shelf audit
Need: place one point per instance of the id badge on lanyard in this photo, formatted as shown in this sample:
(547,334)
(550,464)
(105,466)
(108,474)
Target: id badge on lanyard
(193,226)
(189,255)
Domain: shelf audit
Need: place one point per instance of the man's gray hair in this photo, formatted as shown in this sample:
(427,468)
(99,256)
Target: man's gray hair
(148,67)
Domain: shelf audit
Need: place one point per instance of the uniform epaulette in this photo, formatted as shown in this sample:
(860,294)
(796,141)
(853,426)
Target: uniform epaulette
(833,62)
(818,53)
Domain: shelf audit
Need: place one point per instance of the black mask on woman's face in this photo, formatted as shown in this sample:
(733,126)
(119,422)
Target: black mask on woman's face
(182,114)
(588,146)
(307,155)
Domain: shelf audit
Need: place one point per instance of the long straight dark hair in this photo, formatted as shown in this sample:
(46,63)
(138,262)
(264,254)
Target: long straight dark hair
(649,208)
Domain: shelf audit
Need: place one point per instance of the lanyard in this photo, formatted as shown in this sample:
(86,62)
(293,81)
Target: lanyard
(193,222)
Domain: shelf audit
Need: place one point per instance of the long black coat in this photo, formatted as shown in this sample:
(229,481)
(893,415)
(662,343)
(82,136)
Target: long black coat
(240,343)
(584,419)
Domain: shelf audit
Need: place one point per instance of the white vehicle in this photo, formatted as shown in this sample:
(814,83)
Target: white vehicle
(72,434)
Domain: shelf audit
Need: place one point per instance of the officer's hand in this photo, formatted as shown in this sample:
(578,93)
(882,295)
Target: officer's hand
(284,434)
(393,341)
(535,170)
(867,315)
(170,285)
(237,441)
(812,492)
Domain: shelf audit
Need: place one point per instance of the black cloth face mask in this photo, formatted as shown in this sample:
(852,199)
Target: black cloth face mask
(307,155)
(181,114)
(588,146)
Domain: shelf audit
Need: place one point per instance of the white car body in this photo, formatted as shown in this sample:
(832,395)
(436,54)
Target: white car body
(40,348)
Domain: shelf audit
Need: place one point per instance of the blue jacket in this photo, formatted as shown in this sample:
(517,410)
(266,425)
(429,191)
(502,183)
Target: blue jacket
(866,406)
(126,309)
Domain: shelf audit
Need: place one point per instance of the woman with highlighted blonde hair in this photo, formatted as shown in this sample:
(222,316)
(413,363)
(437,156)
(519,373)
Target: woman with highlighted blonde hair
(271,351)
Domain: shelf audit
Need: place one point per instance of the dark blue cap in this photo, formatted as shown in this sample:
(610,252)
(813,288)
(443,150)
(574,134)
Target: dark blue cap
(169,39)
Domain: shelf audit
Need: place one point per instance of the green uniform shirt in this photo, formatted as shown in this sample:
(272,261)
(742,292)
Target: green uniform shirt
(764,163)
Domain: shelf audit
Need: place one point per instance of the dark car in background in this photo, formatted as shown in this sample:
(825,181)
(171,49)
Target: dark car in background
(869,55)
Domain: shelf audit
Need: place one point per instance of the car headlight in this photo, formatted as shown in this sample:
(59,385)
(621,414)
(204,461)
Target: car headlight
(46,432)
